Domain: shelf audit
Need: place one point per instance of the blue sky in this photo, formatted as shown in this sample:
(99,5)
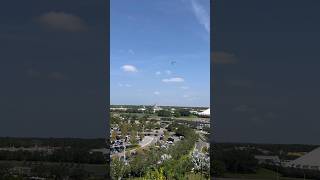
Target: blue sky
(160,52)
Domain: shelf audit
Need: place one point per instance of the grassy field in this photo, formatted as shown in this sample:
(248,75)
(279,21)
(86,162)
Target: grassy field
(191,118)
(262,174)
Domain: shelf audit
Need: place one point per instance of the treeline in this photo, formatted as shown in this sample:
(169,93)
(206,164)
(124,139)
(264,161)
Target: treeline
(275,149)
(73,155)
(232,160)
(176,113)
(53,142)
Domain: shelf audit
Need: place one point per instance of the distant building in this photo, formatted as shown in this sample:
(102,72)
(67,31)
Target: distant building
(118,109)
(24,171)
(310,161)
(142,109)
(271,160)
(101,150)
(205,113)
(156,108)
(194,112)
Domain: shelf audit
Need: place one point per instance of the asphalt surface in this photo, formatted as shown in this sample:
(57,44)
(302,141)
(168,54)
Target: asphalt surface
(146,141)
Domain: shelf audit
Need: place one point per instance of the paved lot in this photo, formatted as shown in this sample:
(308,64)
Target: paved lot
(146,141)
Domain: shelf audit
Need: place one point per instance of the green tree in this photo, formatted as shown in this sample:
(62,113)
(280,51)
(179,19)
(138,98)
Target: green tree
(113,136)
(164,113)
(117,169)
(176,114)
(165,135)
(184,112)
(133,139)
(124,129)
(205,149)
(156,174)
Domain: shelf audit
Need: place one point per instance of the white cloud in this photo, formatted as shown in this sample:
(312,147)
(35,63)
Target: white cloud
(175,79)
(168,72)
(129,68)
(158,73)
(184,87)
(124,85)
(156,93)
(62,21)
(131,52)
(201,14)
(186,96)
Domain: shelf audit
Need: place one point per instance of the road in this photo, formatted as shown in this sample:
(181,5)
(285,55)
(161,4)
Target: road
(200,144)
(146,141)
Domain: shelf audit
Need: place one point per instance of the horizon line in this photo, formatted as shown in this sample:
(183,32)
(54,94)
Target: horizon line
(155,104)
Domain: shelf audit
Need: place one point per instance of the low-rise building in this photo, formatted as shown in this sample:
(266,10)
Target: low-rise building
(271,160)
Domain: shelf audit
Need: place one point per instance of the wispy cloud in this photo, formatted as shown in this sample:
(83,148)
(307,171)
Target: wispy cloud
(158,73)
(129,68)
(156,93)
(201,14)
(174,79)
(168,72)
(62,21)
(131,52)
(184,87)
(124,85)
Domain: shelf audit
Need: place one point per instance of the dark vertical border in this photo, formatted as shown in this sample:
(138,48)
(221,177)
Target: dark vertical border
(107,82)
(212,108)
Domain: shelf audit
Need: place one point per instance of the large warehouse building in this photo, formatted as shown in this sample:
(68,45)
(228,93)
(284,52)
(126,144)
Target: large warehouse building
(205,113)
(310,160)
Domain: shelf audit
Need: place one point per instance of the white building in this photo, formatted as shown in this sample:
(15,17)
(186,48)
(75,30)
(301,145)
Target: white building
(118,109)
(310,161)
(273,160)
(205,113)
(156,108)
